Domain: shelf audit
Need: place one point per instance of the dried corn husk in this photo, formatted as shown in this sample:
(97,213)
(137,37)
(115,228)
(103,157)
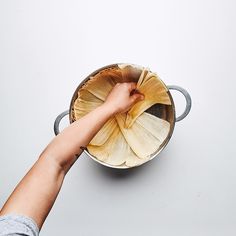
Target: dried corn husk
(130,73)
(146,135)
(113,151)
(131,138)
(155,92)
(104,133)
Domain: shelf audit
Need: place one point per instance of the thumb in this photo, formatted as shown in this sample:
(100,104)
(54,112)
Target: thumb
(137,97)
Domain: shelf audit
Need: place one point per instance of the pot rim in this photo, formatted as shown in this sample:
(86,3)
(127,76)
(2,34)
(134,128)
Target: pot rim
(172,125)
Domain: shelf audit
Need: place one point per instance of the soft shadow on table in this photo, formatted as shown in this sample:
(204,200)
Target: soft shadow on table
(119,174)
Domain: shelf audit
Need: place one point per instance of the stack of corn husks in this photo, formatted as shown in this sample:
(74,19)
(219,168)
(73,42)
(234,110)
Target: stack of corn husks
(129,138)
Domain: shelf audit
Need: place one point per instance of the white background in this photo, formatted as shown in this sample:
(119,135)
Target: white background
(48,47)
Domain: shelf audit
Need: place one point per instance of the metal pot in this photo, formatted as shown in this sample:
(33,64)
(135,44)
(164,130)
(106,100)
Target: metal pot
(166,112)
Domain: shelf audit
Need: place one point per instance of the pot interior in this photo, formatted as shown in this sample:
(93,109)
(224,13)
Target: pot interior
(166,112)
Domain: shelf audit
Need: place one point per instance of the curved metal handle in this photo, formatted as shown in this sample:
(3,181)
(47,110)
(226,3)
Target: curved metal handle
(188,101)
(58,120)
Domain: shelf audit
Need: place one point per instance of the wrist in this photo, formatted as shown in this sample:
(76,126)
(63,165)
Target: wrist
(109,110)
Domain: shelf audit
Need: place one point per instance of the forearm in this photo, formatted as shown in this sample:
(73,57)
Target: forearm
(36,193)
(67,144)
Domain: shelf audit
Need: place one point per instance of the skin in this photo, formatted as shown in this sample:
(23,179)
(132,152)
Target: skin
(36,193)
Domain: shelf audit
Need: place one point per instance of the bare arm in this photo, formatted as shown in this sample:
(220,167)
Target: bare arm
(37,191)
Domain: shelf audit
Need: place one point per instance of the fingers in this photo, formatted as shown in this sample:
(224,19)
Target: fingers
(131,86)
(136,97)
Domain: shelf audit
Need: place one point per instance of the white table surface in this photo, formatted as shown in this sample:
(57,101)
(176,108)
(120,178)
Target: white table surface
(48,47)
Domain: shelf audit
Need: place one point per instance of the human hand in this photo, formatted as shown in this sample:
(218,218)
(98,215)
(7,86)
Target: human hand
(122,97)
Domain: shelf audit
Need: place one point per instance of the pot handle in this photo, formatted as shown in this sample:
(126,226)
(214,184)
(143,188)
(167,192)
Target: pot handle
(188,101)
(58,120)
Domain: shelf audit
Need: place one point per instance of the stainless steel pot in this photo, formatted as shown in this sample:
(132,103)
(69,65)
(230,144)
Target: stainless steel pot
(166,112)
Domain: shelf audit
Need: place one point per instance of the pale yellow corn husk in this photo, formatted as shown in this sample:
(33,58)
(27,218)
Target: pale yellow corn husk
(115,144)
(113,151)
(85,103)
(154,91)
(142,136)
(130,73)
(82,107)
(157,127)
(116,151)
(132,159)
(99,86)
(104,133)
